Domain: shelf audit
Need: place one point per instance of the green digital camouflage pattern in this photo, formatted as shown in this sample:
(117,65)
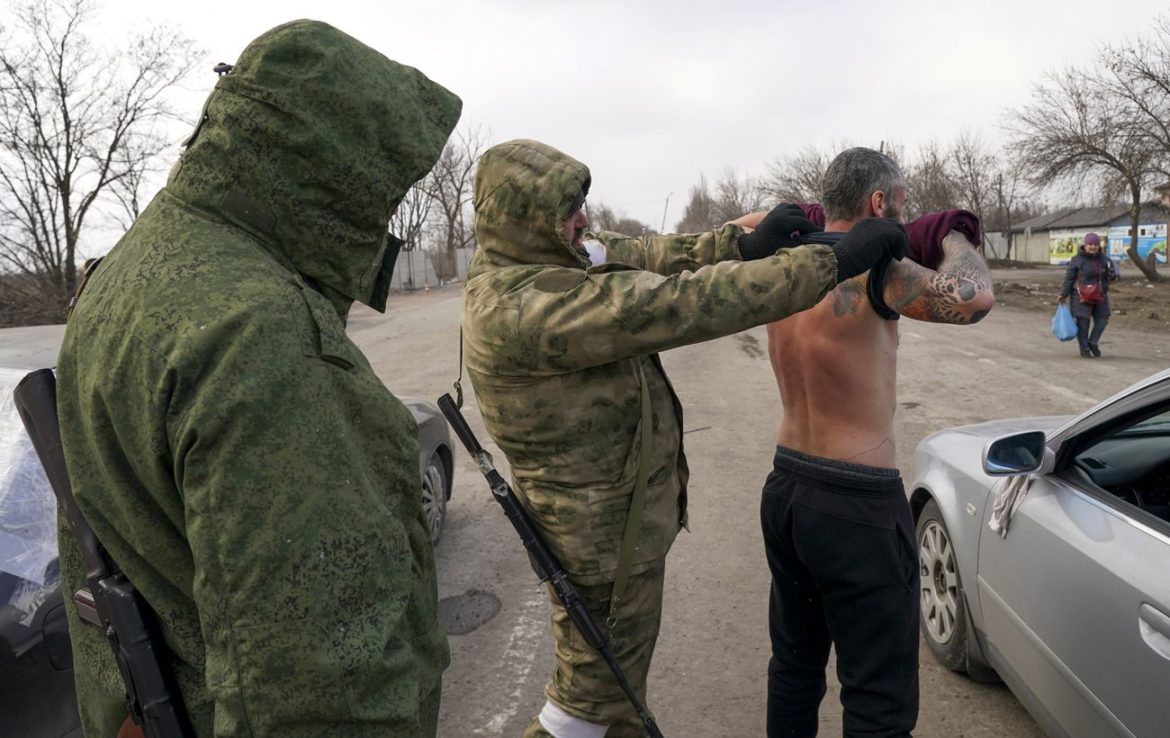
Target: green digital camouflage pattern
(557,352)
(231,447)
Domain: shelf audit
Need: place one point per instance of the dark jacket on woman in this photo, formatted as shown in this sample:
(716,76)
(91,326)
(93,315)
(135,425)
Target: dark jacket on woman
(1085,268)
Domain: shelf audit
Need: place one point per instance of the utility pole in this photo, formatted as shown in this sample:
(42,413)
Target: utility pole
(662,228)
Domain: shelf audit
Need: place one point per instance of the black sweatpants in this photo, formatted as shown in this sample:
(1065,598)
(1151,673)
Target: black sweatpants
(840,544)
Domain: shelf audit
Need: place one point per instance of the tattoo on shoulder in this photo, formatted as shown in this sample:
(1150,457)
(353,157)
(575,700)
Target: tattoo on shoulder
(848,297)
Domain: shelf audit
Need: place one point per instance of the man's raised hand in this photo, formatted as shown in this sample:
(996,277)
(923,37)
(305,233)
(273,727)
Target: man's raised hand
(778,230)
(869,241)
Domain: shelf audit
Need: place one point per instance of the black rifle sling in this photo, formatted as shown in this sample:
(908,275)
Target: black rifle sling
(45,432)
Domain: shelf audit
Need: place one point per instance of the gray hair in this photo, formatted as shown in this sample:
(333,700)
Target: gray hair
(853,176)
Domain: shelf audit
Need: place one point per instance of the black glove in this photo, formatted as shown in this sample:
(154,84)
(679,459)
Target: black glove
(867,243)
(775,232)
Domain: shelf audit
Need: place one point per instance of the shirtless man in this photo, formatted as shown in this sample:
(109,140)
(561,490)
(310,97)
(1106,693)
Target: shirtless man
(838,531)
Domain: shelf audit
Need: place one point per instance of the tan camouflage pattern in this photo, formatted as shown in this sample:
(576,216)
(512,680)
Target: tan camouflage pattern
(557,353)
(230,446)
(582,684)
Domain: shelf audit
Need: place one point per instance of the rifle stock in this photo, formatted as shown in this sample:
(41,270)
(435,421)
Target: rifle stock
(110,601)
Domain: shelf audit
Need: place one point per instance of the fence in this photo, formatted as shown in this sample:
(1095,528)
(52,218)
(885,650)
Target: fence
(415,270)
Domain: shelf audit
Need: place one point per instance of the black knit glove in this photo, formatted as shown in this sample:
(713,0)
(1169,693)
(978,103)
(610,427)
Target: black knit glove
(775,232)
(869,241)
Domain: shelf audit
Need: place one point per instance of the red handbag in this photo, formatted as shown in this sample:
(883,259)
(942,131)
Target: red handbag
(1090,293)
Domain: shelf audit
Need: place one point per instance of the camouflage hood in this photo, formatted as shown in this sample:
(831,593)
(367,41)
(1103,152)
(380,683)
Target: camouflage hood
(524,191)
(309,144)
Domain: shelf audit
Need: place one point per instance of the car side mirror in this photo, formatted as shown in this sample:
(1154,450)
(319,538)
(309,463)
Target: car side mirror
(1019,453)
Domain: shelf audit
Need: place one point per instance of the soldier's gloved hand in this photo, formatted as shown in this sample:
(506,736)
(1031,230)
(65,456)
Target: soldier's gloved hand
(867,243)
(775,232)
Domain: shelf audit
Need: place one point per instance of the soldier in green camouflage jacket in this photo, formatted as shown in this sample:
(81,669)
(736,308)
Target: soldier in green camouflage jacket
(562,354)
(231,447)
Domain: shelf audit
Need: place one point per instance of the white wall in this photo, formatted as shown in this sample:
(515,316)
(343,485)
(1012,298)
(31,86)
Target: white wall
(414,270)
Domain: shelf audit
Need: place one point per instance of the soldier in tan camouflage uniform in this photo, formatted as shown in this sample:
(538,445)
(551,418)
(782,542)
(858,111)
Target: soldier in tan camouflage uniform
(562,353)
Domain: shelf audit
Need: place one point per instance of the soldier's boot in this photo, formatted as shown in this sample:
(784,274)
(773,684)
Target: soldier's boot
(536,730)
(566,725)
(618,730)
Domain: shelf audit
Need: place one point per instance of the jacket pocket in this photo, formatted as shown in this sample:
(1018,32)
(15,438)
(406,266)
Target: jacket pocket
(330,344)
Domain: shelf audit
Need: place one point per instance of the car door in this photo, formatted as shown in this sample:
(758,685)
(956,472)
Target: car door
(1076,598)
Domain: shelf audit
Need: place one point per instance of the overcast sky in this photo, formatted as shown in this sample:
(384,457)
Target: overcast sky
(651,94)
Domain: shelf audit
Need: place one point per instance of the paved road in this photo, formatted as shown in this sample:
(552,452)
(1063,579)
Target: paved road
(708,678)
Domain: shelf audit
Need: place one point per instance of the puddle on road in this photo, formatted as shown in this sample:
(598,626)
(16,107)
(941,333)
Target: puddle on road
(461,614)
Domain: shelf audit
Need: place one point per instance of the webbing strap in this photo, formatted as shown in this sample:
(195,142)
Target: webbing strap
(637,503)
(459,382)
(875,290)
(88,269)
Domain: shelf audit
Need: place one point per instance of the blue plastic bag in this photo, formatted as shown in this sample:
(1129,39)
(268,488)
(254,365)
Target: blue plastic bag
(1063,325)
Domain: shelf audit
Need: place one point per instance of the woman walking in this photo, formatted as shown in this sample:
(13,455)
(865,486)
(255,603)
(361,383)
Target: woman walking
(1087,280)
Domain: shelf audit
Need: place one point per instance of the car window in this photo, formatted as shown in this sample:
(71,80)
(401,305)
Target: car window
(1131,463)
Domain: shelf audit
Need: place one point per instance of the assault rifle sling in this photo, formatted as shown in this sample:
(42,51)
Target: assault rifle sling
(110,601)
(549,569)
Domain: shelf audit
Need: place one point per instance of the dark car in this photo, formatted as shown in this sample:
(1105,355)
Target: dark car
(36,664)
(435,462)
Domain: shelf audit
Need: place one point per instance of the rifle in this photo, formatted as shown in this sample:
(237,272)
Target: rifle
(110,601)
(549,569)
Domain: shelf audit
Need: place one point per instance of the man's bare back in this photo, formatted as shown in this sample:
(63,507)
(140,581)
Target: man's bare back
(836,364)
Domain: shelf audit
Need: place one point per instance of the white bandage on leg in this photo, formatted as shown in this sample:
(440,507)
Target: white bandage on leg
(563,725)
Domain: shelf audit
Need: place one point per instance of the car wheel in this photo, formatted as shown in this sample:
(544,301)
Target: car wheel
(434,496)
(943,612)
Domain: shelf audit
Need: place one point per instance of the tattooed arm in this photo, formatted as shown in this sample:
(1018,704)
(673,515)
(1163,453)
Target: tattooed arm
(958,292)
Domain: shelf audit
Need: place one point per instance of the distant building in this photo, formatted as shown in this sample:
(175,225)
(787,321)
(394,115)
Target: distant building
(1054,238)
(1163,192)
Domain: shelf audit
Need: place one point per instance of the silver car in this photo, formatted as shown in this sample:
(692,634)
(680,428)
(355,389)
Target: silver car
(1070,605)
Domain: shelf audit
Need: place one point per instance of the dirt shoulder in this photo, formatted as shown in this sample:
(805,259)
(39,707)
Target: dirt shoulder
(1136,303)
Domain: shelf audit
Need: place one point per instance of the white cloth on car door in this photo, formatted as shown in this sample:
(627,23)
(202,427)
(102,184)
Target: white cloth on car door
(1009,493)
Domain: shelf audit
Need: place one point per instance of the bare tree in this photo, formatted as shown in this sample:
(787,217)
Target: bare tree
(1010,192)
(127,190)
(699,213)
(1077,126)
(974,173)
(735,196)
(410,219)
(601,216)
(798,177)
(1139,74)
(450,186)
(75,123)
(930,186)
(604,218)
